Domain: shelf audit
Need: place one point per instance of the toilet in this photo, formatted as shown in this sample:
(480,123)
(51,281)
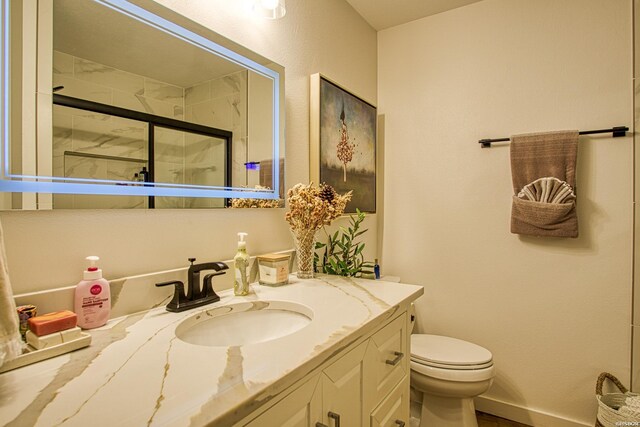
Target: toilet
(449,373)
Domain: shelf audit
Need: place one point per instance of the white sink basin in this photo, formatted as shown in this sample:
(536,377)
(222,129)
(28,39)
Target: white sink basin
(244,323)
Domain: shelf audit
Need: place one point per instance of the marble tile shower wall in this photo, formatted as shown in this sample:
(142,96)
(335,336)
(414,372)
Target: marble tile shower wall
(80,132)
(220,103)
(180,157)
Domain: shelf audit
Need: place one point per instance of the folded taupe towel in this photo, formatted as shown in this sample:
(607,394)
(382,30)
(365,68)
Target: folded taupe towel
(547,190)
(543,171)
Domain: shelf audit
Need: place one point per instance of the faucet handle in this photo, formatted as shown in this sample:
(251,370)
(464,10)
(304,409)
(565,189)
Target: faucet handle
(179,298)
(191,260)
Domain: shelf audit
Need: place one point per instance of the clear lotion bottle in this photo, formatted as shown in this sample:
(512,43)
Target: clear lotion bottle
(241,263)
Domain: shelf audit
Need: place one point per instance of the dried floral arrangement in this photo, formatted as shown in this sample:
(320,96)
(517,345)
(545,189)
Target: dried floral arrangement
(311,207)
(257,203)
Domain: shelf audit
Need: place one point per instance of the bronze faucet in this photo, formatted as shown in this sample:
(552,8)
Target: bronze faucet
(195,296)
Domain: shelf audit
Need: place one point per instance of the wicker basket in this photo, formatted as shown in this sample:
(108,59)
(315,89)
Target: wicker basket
(613,408)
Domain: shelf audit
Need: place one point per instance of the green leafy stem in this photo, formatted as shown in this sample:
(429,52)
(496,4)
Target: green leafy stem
(342,254)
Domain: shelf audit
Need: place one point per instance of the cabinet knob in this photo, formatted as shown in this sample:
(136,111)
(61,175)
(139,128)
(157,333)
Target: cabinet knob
(335,417)
(400,423)
(393,362)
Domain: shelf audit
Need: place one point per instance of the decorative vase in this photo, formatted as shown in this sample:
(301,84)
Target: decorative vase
(305,241)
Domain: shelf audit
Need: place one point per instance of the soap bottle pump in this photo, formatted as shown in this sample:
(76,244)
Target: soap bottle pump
(241,263)
(92,301)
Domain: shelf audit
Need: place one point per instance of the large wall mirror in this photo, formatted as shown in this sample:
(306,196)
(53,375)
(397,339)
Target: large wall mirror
(126,104)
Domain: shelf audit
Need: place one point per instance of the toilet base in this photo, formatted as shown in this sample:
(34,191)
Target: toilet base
(438,411)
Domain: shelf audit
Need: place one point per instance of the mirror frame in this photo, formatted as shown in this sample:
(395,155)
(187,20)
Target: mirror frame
(163,19)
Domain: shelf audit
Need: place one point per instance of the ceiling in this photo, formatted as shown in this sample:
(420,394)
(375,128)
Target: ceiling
(89,30)
(381,14)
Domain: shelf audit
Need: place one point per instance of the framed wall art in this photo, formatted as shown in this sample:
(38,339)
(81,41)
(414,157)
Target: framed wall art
(343,142)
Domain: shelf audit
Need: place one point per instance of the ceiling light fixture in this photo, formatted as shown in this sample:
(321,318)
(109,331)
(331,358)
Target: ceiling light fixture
(270,9)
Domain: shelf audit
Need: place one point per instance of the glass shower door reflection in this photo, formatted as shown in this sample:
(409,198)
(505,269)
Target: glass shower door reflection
(182,157)
(93,143)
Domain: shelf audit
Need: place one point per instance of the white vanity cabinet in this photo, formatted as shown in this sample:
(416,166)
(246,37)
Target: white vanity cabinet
(366,384)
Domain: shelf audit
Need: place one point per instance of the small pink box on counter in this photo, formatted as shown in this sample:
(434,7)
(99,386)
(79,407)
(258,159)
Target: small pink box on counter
(53,322)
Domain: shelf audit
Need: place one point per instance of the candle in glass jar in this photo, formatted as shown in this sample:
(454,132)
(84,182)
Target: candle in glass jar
(274,269)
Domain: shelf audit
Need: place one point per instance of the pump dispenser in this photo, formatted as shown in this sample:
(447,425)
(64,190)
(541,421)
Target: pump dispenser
(93,272)
(92,301)
(241,263)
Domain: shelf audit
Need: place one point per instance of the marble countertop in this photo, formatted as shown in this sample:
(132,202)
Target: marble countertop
(136,372)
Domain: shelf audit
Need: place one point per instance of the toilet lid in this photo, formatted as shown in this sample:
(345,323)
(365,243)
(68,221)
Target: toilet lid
(446,351)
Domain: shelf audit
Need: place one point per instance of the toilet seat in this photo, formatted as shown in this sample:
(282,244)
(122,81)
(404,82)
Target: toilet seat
(450,366)
(452,353)
(454,375)
(450,358)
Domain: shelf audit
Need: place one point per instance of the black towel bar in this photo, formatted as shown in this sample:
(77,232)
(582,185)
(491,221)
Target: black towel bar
(617,131)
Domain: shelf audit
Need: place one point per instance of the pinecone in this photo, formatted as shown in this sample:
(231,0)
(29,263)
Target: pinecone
(327,193)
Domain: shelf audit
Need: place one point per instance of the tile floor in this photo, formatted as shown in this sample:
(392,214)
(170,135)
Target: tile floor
(486,420)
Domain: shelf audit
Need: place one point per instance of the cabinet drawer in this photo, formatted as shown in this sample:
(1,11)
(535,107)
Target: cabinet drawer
(389,356)
(394,410)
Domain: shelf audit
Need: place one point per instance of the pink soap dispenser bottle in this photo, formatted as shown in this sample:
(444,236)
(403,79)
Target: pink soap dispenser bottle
(92,297)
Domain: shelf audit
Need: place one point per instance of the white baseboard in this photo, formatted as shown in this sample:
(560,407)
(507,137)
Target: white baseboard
(523,415)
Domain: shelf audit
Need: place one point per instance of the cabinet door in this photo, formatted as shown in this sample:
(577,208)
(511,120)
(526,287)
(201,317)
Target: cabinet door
(342,390)
(388,360)
(394,410)
(301,408)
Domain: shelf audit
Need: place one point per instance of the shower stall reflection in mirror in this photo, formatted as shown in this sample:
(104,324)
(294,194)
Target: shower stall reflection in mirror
(136,149)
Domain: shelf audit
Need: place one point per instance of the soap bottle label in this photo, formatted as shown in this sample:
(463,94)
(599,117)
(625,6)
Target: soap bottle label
(241,284)
(241,273)
(93,305)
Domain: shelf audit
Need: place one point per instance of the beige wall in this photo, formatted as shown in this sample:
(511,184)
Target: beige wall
(635,360)
(47,249)
(555,313)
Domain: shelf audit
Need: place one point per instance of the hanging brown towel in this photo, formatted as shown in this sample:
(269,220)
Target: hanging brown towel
(543,171)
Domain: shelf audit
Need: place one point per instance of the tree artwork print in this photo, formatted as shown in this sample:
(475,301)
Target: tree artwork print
(348,145)
(345,148)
